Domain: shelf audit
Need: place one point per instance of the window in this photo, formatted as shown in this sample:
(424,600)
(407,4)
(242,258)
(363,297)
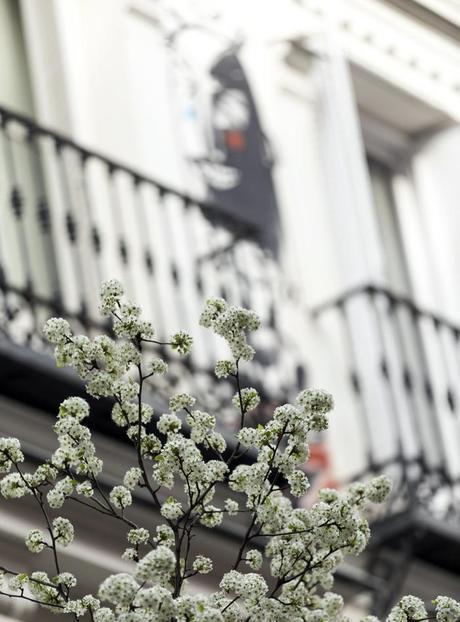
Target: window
(395,264)
(14,71)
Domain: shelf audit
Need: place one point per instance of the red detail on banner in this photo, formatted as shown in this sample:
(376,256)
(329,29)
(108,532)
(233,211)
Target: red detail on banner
(235,140)
(319,457)
(319,464)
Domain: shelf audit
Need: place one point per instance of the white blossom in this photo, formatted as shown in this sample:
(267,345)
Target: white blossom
(111,294)
(42,589)
(225,368)
(211,516)
(66,578)
(63,531)
(299,483)
(132,477)
(158,565)
(171,509)
(12,486)
(332,604)
(181,342)
(246,399)
(250,437)
(169,424)
(104,614)
(447,609)
(202,565)
(158,367)
(75,607)
(119,589)
(180,401)
(35,541)
(121,497)
(378,489)
(165,535)
(57,330)
(130,553)
(156,603)
(315,401)
(254,559)
(231,506)
(85,489)
(250,584)
(201,424)
(10,452)
(74,407)
(216,441)
(231,323)
(138,536)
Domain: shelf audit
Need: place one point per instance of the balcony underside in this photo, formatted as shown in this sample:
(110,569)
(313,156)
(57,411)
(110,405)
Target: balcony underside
(32,378)
(431,540)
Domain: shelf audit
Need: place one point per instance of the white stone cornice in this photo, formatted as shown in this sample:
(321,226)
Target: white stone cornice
(447,9)
(397,49)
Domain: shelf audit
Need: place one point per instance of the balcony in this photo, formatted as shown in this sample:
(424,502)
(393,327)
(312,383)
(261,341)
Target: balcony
(72,217)
(404,373)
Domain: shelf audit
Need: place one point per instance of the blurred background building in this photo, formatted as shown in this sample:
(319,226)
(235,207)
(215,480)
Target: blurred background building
(300,158)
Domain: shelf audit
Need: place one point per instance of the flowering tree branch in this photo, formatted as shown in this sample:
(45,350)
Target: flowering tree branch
(287,578)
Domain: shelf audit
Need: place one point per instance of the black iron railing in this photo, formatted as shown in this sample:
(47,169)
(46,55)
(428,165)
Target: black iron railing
(28,136)
(404,370)
(403,365)
(71,217)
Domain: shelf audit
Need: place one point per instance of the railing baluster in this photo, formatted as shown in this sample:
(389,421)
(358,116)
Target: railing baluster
(206,283)
(356,383)
(149,261)
(388,361)
(122,246)
(170,225)
(72,227)
(147,221)
(234,266)
(244,281)
(195,220)
(169,271)
(415,380)
(187,266)
(448,344)
(18,207)
(437,392)
(43,216)
(451,380)
(7,310)
(93,229)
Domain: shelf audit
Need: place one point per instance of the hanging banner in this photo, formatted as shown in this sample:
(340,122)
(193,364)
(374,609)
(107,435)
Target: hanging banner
(223,136)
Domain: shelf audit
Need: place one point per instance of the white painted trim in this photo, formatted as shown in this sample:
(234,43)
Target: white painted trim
(394,46)
(385,143)
(43,40)
(145,9)
(448,9)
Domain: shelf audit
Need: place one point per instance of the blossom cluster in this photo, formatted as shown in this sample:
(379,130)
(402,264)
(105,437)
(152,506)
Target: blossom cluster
(232,323)
(284,569)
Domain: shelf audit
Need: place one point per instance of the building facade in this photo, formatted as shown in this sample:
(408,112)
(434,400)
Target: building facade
(297,157)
